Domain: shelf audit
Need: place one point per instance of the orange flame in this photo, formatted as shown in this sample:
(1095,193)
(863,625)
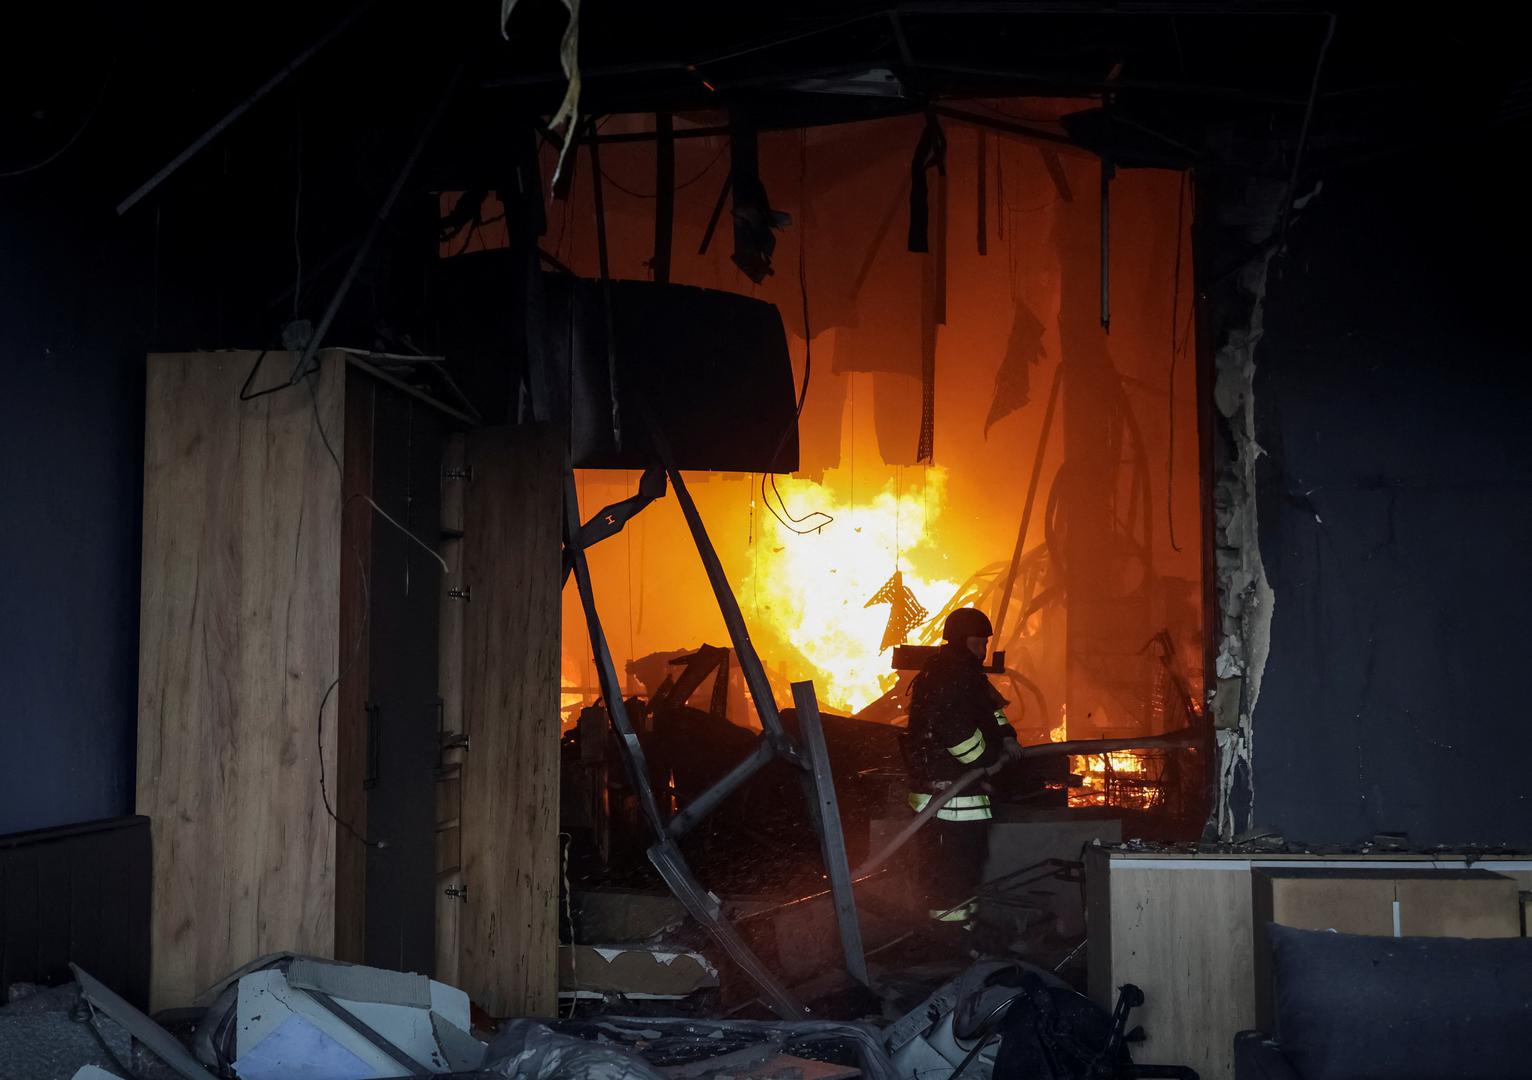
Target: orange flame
(1095,771)
(808,591)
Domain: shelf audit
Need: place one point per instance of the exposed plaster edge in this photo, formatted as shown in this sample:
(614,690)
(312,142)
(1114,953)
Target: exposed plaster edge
(1246,602)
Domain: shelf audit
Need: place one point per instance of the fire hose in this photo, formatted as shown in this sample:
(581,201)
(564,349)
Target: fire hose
(1186,737)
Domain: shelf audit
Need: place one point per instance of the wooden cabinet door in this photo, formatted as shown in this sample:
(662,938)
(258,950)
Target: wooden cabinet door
(403,593)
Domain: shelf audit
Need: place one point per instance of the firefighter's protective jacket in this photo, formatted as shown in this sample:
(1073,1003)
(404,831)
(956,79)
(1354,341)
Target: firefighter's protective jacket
(957,723)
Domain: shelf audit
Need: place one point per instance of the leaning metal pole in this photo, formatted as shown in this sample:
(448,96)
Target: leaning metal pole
(819,788)
(774,743)
(301,368)
(824,811)
(244,106)
(700,904)
(1026,510)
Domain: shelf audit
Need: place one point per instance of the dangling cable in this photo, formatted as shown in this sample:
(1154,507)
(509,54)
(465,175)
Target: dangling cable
(755,554)
(632,650)
(790,523)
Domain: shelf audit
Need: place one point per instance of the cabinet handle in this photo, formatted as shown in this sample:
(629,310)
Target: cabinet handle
(448,740)
(457,892)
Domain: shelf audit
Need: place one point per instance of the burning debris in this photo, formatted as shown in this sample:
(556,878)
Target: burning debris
(810,593)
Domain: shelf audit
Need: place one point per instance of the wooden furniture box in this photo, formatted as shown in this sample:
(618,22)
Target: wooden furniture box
(1182,928)
(295,698)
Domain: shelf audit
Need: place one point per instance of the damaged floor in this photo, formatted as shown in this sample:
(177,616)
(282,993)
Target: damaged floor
(291,1016)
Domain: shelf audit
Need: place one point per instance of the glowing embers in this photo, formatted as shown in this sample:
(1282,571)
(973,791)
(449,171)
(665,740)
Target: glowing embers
(809,592)
(1131,779)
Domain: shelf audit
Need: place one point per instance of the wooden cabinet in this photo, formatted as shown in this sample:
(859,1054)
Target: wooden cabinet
(345,749)
(508,928)
(498,784)
(399,908)
(1183,928)
(288,707)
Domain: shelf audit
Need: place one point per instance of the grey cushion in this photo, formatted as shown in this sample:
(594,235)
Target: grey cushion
(1353,1008)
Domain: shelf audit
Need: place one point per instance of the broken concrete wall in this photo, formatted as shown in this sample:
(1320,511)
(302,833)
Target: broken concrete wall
(1394,508)
(1238,219)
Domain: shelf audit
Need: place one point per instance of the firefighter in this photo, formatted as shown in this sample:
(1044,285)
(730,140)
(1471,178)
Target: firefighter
(957,724)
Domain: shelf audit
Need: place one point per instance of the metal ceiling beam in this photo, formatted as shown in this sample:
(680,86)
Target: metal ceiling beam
(1063,82)
(1010,127)
(1177,8)
(243,107)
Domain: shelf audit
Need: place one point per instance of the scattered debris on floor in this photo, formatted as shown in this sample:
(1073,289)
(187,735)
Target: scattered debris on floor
(592,971)
(291,1017)
(51,1032)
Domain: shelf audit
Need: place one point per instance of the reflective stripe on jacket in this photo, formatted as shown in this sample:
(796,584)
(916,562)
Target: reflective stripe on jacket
(958,808)
(957,720)
(970,749)
(960,914)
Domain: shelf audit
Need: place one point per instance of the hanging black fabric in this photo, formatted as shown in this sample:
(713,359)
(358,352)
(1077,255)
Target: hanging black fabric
(754,219)
(1013,379)
(930,152)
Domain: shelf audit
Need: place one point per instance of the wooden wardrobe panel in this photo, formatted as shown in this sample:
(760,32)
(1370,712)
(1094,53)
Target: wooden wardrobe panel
(351,695)
(449,803)
(405,591)
(239,639)
(509,925)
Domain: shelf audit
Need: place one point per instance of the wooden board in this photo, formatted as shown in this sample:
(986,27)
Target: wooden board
(1184,938)
(351,694)
(449,681)
(1182,928)
(509,830)
(239,638)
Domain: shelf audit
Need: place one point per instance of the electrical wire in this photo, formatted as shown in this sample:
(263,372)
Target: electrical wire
(356,653)
(986,1031)
(356,648)
(79,131)
(755,554)
(93,1023)
(361,636)
(382,513)
(628,537)
(678,187)
(790,523)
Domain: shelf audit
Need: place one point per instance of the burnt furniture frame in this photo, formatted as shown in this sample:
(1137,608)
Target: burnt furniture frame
(775,743)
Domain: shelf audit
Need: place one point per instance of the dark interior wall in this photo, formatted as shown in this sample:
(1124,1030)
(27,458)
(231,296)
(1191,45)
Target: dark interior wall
(1395,508)
(211,260)
(73,326)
